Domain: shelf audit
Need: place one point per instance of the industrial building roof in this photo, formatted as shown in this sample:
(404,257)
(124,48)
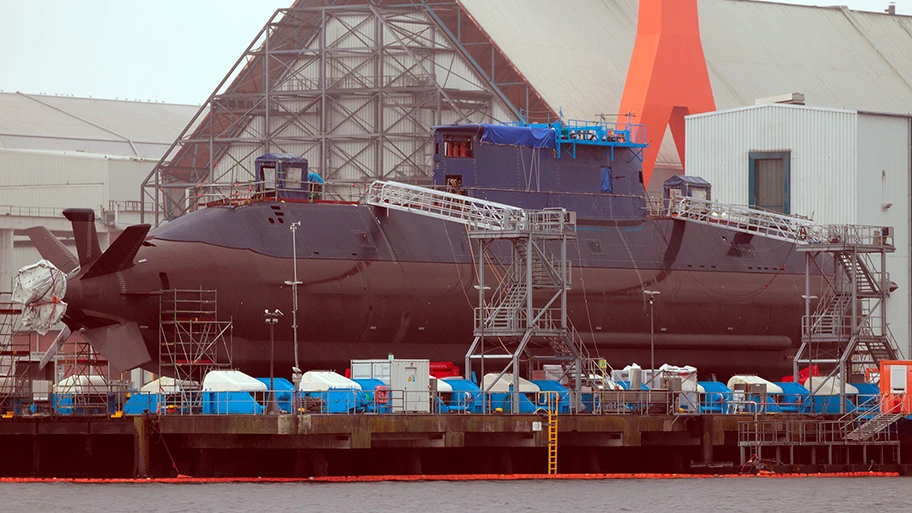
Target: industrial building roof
(576,54)
(110,127)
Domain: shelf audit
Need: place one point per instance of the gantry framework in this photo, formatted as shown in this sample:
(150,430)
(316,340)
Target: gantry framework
(355,87)
(12,387)
(528,310)
(848,332)
(192,338)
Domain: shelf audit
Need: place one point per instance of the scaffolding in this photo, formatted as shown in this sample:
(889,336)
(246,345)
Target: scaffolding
(13,381)
(192,340)
(355,88)
(83,383)
(804,441)
(528,311)
(848,331)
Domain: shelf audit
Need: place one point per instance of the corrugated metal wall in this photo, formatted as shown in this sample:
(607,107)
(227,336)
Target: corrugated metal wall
(822,146)
(883,179)
(125,176)
(36,179)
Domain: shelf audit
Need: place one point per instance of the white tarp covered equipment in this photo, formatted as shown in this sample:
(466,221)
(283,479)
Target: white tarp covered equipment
(231,381)
(624,374)
(689,397)
(40,288)
(748,379)
(828,385)
(503,384)
(442,386)
(687,374)
(166,385)
(82,384)
(321,381)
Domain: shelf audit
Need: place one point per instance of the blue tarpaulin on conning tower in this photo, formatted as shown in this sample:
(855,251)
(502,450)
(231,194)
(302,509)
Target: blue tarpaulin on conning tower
(518,136)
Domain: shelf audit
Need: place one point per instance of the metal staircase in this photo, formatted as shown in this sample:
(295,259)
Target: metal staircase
(857,428)
(848,330)
(527,311)
(870,428)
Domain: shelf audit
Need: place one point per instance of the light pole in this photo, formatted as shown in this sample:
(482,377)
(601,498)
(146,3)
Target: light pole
(651,295)
(810,331)
(296,370)
(271,319)
(294,289)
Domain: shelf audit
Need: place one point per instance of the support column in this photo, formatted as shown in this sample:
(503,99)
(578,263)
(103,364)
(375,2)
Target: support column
(591,464)
(318,464)
(36,455)
(706,441)
(205,463)
(301,464)
(505,462)
(413,463)
(7,264)
(141,448)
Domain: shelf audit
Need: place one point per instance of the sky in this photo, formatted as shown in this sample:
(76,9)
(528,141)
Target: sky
(175,51)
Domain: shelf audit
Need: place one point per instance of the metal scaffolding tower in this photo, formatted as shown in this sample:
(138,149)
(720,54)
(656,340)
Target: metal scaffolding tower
(355,88)
(848,332)
(83,383)
(192,339)
(528,312)
(13,389)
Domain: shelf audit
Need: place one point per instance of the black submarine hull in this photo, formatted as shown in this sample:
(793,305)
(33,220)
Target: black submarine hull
(375,283)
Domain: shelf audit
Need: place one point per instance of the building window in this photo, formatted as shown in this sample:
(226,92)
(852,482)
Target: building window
(769,181)
(458,146)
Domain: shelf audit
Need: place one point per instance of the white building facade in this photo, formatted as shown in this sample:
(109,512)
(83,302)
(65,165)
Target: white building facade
(833,166)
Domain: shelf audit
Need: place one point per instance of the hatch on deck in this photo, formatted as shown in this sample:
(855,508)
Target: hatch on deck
(689,186)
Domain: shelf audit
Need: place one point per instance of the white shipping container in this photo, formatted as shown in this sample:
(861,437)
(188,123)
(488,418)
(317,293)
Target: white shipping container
(408,380)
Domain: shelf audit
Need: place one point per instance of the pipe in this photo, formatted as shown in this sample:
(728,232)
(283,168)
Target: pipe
(690,341)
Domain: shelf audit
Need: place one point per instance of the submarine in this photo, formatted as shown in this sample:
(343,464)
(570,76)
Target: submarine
(374,282)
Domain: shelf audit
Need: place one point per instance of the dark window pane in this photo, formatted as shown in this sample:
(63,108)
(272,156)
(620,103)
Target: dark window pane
(770,183)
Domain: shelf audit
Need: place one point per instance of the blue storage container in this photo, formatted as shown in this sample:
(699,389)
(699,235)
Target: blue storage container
(715,397)
(793,399)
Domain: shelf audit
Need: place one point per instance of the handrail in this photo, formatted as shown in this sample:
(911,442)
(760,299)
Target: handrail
(477,214)
(778,226)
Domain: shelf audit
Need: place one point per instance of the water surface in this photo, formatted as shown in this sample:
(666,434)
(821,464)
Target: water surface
(807,495)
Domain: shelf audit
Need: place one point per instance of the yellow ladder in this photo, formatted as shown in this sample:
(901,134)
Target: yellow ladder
(552,401)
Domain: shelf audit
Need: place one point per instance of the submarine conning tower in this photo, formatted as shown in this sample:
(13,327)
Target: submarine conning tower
(591,168)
